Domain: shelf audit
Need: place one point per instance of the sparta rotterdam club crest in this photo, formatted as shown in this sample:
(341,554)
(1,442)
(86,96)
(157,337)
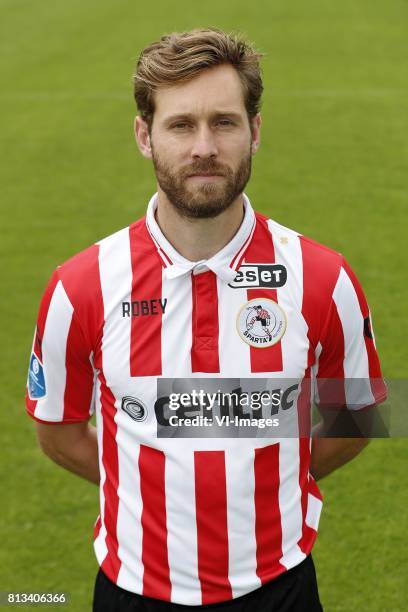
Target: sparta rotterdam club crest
(261,322)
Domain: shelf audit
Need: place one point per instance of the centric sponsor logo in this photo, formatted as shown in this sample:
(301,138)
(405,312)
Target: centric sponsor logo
(134,408)
(261,322)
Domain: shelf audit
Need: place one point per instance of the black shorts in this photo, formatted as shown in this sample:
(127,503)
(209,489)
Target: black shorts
(293,591)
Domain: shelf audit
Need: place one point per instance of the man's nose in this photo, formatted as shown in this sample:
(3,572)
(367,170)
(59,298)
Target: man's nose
(204,144)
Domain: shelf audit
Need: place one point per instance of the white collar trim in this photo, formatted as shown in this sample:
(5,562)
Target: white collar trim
(224,263)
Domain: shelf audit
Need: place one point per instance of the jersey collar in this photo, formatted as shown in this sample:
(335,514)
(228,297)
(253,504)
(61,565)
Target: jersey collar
(224,263)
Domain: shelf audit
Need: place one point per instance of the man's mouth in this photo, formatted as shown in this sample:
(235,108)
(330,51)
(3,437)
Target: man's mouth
(204,175)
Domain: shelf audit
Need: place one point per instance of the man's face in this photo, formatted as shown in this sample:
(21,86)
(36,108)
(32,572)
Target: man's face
(201,142)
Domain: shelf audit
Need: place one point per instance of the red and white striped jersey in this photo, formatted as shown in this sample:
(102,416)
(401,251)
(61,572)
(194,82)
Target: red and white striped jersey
(197,519)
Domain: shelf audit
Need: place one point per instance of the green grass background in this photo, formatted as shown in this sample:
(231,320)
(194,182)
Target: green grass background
(332,165)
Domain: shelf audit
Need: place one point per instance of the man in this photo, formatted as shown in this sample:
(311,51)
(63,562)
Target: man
(194,520)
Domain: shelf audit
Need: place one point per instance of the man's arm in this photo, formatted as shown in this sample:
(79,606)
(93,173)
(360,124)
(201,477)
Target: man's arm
(74,446)
(328,454)
(348,376)
(339,437)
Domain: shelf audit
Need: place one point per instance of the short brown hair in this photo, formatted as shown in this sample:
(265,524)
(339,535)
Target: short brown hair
(180,56)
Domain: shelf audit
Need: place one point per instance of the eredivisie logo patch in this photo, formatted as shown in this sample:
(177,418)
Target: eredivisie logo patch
(261,322)
(36,379)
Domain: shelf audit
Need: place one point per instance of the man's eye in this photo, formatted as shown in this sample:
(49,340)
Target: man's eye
(183,125)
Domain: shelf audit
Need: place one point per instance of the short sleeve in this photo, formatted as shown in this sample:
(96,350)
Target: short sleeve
(60,380)
(348,369)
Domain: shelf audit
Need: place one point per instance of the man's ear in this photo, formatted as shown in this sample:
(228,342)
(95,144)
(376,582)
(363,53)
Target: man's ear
(142,136)
(255,133)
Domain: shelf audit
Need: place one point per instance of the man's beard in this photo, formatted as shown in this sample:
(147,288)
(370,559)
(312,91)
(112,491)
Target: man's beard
(204,199)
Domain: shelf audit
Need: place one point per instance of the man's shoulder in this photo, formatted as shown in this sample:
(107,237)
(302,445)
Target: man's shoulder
(83,262)
(80,274)
(312,251)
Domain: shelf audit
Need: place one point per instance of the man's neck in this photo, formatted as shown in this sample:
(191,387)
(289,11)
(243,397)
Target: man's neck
(197,239)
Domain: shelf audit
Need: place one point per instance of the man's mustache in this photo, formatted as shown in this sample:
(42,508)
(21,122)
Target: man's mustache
(206,168)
